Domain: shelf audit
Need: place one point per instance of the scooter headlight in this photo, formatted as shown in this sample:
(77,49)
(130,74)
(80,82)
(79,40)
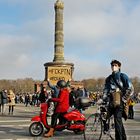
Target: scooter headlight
(82,116)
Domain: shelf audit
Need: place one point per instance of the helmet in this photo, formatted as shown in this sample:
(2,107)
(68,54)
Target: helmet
(61,83)
(115,62)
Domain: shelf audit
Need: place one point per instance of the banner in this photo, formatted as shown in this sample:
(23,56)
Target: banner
(59,73)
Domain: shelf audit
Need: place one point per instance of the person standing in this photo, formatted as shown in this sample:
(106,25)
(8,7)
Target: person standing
(27,99)
(11,101)
(54,88)
(0,101)
(3,100)
(118,88)
(72,97)
(131,103)
(43,95)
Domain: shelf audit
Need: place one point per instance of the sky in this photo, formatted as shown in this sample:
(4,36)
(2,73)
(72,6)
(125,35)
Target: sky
(95,32)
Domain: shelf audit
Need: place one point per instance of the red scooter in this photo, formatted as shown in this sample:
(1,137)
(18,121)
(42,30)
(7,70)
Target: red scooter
(73,120)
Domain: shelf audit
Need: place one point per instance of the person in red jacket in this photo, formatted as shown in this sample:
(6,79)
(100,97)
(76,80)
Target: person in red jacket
(61,107)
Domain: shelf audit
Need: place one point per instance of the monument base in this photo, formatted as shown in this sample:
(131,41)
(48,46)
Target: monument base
(55,71)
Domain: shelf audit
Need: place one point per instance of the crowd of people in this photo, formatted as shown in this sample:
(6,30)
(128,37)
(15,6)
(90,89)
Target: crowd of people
(117,91)
(7,97)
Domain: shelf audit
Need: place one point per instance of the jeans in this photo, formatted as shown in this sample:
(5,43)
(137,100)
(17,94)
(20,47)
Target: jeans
(119,128)
(54,118)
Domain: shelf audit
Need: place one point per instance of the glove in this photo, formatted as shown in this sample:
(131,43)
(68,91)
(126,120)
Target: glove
(105,98)
(50,100)
(100,101)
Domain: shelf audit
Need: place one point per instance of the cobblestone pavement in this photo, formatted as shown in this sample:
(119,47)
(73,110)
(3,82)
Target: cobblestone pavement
(15,127)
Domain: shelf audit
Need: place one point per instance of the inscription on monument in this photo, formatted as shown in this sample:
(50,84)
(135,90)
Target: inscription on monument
(59,73)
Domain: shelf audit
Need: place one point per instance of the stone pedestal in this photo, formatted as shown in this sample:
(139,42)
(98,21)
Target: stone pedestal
(58,69)
(55,71)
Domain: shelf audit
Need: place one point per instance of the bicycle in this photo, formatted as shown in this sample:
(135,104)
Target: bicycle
(98,126)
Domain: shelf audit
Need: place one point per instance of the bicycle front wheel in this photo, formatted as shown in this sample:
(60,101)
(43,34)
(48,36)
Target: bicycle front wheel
(93,127)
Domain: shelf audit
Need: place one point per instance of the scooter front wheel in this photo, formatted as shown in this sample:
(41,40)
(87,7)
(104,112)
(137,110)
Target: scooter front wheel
(36,129)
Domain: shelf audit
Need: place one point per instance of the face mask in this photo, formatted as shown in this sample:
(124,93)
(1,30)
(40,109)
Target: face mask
(115,68)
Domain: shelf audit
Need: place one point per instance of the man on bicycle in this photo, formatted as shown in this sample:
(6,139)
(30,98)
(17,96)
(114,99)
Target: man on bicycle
(117,91)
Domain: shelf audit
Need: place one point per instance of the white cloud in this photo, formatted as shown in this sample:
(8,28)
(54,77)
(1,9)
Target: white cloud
(95,33)
(22,61)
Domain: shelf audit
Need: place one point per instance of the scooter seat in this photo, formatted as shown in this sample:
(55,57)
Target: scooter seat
(70,109)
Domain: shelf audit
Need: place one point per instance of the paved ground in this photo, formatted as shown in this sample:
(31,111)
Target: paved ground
(15,127)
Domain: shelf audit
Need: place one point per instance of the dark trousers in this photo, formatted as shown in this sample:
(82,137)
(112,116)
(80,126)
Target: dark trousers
(11,109)
(119,128)
(54,118)
(131,112)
